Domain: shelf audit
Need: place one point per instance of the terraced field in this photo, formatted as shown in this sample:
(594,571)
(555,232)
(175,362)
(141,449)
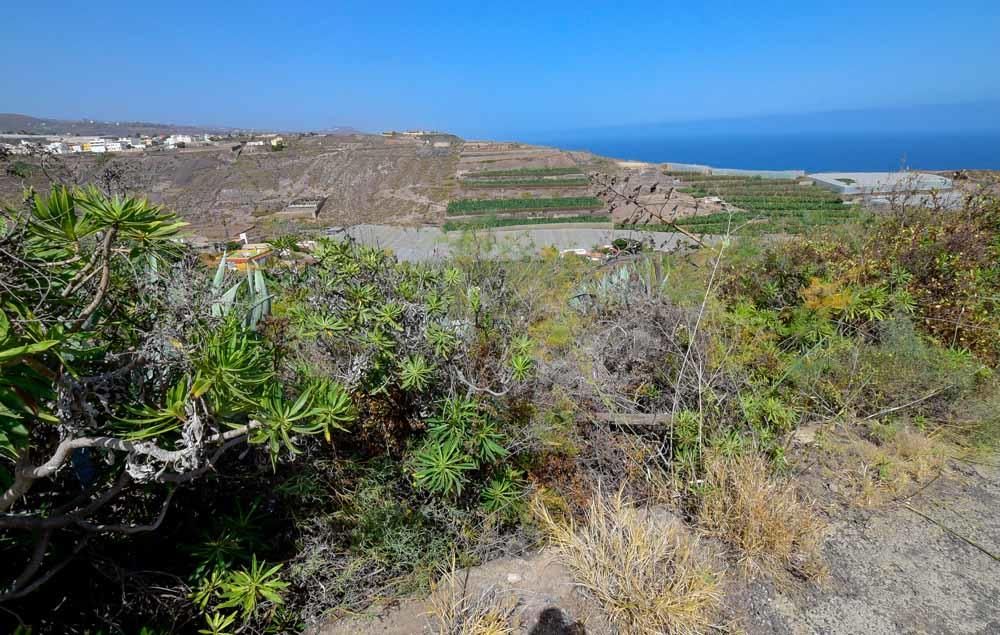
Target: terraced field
(530,182)
(526,172)
(521,185)
(761,205)
(483,206)
(490,222)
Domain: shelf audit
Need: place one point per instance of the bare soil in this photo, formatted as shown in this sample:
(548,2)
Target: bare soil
(222,191)
(925,562)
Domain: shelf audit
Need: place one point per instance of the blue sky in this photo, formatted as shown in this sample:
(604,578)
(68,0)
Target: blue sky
(489,69)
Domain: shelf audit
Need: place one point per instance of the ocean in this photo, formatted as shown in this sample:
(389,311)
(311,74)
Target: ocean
(810,151)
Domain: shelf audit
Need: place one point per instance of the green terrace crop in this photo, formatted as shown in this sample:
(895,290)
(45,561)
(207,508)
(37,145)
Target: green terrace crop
(488,206)
(773,222)
(696,177)
(765,205)
(525,172)
(489,222)
(524,183)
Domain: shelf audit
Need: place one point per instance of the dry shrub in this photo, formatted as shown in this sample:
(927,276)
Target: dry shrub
(648,576)
(877,472)
(458,612)
(761,516)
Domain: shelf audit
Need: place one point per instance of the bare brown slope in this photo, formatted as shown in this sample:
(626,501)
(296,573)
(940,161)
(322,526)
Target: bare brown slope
(222,190)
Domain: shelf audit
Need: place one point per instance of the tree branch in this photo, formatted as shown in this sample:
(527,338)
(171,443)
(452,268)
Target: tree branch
(102,286)
(472,386)
(13,594)
(27,474)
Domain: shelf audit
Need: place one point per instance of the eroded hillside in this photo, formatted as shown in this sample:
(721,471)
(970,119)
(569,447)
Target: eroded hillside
(222,190)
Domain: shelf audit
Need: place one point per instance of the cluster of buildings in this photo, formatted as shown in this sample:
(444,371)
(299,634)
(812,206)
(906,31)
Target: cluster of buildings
(99,145)
(275,142)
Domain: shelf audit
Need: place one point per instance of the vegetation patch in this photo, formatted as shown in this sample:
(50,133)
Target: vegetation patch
(268,450)
(492,221)
(464,207)
(523,183)
(457,612)
(524,172)
(761,516)
(765,206)
(648,577)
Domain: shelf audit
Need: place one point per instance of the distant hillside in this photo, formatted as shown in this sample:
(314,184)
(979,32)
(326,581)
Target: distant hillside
(223,189)
(25,124)
(13,123)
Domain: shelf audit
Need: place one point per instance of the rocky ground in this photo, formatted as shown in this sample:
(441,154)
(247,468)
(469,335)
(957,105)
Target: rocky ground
(923,563)
(225,190)
(926,563)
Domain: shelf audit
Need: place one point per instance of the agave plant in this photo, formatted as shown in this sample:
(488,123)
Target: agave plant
(504,493)
(218,624)
(232,366)
(247,589)
(332,407)
(441,340)
(257,296)
(151,421)
(280,419)
(441,467)
(521,367)
(415,373)
(487,442)
(436,303)
(388,315)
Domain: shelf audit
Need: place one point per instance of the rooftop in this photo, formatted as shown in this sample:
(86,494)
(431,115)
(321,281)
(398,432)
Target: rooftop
(880,182)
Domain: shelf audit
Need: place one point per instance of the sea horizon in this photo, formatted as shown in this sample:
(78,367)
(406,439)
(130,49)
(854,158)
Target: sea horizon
(812,151)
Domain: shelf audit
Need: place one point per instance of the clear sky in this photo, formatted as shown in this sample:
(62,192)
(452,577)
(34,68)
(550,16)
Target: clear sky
(494,69)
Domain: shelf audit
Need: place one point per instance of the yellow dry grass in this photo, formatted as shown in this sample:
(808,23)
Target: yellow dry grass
(761,516)
(648,576)
(875,473)
(458,612)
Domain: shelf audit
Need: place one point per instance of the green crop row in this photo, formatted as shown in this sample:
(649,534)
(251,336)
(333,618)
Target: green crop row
(785,221)
(493,221)
(695,178)
(487,206)
(529,182)
(767,205)
(525,172)
(807,195)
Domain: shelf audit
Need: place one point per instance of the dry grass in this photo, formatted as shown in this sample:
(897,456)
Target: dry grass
(648,576)
(762,517)
(457,612)
(879,472)
(870,470)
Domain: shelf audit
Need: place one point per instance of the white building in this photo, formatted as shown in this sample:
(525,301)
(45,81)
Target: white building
(98,148)
(56,147)
(851,183)
(113,146)
(76,147)
(255,144)
(176,139)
